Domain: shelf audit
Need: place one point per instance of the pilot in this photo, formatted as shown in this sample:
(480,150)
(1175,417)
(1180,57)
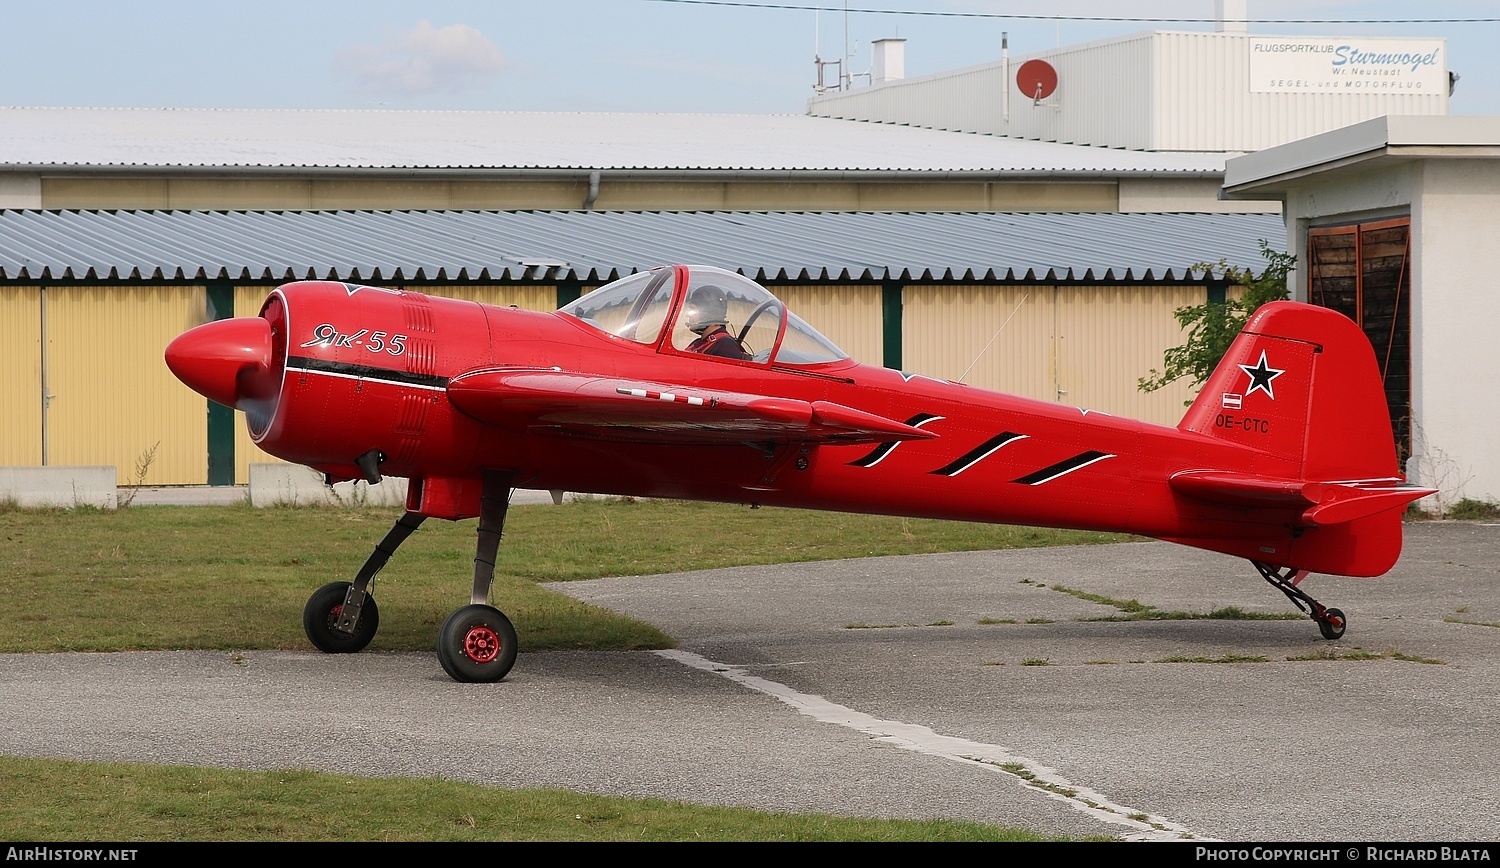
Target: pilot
(707,316)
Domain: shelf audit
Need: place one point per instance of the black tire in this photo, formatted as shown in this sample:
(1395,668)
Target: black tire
(477,645)
(1332,624)
(322,611)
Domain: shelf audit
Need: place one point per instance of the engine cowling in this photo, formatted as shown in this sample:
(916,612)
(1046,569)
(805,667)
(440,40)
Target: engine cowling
(329,372)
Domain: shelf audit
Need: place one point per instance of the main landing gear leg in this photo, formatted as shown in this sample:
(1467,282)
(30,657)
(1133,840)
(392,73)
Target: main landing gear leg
(477,643)
(340,617)
(1331,622)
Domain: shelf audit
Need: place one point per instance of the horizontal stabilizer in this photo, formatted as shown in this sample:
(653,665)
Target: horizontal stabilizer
(659,412)
(1321,503)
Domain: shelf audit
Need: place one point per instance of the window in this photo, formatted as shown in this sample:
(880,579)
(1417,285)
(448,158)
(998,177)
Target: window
(632,307)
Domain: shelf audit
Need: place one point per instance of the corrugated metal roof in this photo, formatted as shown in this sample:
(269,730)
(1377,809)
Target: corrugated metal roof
(594,246)
(295,139)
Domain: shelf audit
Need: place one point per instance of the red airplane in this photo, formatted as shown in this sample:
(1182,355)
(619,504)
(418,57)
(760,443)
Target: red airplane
(696,383)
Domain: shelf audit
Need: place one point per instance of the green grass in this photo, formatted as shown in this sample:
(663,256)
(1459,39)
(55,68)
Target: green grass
(236,578)
(151,573)
(64,801)
(1135,610)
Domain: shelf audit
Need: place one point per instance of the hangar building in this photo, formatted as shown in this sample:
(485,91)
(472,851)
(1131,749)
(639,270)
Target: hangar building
(1041,260)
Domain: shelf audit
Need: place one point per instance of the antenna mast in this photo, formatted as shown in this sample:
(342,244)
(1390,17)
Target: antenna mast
(845,81)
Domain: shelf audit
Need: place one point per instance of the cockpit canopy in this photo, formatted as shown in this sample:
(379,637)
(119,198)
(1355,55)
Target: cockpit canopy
(671,307)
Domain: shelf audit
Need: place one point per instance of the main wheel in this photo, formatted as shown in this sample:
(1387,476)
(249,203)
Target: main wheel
(477,644)
(1332,624)
(322,612)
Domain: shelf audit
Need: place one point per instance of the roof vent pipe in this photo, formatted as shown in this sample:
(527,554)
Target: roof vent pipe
(588,204)
(1005,80)
(890,59)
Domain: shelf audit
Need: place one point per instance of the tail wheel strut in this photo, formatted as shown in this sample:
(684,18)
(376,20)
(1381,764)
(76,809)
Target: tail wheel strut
(1331,622)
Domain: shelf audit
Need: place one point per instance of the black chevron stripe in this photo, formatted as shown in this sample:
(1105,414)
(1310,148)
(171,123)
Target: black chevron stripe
(872,457)
(973,456)
(1047,474)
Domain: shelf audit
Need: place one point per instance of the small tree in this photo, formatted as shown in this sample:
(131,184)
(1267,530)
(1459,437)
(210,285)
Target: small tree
(1212,326)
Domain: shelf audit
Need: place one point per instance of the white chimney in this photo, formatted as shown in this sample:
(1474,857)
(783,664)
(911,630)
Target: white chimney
(890,59)
(1229,16)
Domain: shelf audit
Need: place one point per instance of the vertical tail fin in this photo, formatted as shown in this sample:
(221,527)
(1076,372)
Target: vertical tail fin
(1300,391)
(1301,383)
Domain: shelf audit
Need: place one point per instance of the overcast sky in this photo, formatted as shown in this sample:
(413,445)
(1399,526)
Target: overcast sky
(607,55)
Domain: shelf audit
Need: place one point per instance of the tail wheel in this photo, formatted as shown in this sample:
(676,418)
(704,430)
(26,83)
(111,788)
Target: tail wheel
(1332,624)
(322,612)
(477,644)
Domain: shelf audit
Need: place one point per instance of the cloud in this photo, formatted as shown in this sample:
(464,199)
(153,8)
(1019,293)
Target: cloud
(423,60)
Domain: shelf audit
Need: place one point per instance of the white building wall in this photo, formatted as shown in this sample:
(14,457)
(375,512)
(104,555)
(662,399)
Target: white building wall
(1206,102)
(967,100)
(1455,306)
(1455,366)
(1155,91)
(1103,96)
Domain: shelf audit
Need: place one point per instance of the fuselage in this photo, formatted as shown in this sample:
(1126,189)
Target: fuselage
(373,375)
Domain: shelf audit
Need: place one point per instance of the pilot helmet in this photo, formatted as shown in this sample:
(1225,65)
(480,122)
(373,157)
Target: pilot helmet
(706,306)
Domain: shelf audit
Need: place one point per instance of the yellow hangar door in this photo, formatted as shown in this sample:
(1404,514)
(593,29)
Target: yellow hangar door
(111,399)
(21,376)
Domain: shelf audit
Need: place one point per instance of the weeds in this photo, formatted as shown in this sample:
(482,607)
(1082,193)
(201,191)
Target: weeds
(143,464)
(1135,610)
(1469,509)
(1227,658)
(1463,509)
(1454,619)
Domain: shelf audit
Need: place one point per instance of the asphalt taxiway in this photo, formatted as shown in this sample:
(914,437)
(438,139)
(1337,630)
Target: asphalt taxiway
(978,686)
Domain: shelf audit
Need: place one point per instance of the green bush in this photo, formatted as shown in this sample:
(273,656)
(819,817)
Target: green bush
(1213,325)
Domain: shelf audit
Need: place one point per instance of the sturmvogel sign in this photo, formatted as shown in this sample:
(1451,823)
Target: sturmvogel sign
(1305,64)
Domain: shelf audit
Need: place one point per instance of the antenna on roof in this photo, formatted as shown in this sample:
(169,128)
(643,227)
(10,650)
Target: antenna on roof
(844,82)
(821,85)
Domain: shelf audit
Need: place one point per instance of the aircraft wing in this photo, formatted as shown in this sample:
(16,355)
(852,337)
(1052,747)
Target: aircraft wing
(615,408)
(1322,503)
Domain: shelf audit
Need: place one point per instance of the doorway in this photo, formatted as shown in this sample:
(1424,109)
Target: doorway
(1363,270)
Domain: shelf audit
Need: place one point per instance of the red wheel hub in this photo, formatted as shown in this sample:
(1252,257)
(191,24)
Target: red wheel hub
(481,644)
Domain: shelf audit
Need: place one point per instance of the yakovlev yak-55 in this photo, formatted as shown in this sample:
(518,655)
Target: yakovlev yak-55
(696,383)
